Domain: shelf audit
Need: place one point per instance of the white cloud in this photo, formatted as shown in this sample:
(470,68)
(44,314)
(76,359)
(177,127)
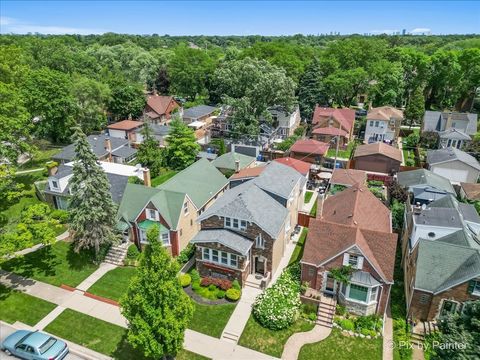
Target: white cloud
(10,25)
(420,30)
(387,31)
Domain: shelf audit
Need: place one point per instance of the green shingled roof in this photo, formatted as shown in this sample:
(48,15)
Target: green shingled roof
(200,181)
(147,224)
(227,161)
(441,265)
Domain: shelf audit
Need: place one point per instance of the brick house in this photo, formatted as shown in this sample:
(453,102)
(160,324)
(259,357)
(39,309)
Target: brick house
(353,228)
(328,123)
(173,206)
(158,109)
(246,231)
(441,258)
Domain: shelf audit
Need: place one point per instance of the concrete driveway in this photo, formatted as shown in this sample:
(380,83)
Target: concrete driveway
(6,330)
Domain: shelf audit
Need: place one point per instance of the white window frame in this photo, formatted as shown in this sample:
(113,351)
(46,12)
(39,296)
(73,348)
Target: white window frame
(476,288)
(150,212)
(260,242)
(165,240)
(55,184)
(143,237)
(369,294)
(185,208)
(235,223)
(232,259)
(346,261)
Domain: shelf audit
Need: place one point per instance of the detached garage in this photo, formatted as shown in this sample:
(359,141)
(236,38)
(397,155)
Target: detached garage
(454,164)
(377,157)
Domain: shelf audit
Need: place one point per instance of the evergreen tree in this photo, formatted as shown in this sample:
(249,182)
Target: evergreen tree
(182,145)
(156,307)
(416,107)
(310,90)
(92,210)
(149,152)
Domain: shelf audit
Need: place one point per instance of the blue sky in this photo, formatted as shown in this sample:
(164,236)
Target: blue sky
(239,17)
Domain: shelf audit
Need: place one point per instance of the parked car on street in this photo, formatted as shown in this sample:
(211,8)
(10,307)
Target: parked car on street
(34,345)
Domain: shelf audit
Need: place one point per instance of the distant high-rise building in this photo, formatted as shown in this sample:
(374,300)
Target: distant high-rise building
(404,32)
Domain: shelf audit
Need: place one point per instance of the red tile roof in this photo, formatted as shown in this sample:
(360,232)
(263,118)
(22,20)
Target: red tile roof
(302,167)
(125,125)
(329,131)
(159,103)
(346,117)
(378,148)
(248,173)
(348,177)
(353,217)
(310,146)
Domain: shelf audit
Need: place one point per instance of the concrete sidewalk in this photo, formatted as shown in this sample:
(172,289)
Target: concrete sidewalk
(60,237)
(296,341)
(95,276)
(388,336)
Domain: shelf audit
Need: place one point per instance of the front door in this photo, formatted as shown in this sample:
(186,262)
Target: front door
(330,284)
(259,265)
(448,307)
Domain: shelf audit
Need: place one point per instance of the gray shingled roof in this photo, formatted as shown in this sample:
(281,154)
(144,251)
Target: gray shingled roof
(469,213)
(207,155)
(435,216)
(441,265)
(363,277)
(225,237)
(279,179)
(451,154)
(454,134)
(97,143)
(248,202)
(124,152)
(159,130)
(436,121)
(417,177)
(198,111)
(63,171)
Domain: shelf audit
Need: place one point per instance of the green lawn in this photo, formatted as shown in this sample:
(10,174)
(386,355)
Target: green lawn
(17,306)
(211,319)
(40,158)
(340,347)
(100,336)
(307,197)
(343,154)
(114,283)
(313,211)
(268,341)
(298,251)
(56,264)
(166,175)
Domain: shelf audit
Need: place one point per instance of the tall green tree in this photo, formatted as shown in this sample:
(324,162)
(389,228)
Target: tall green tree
(311,90)
(156,307)
(182,146)
(149,152)
(415,107)
(92,210)
(343,86)
(387,83)
(126,100)
(250,87)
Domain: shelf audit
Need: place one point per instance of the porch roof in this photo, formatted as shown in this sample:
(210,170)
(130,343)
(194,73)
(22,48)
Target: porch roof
(122,225)
(364,278)
(147,224)
(227,238)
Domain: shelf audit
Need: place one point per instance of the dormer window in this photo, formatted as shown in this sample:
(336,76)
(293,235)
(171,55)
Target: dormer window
(55,184)
(152,214)
(355,261)
(236,224)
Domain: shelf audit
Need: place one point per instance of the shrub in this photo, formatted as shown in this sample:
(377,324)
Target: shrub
(236,285)
(233,294)
(60,215)
(220,294)
(312,316)
(195,275)
(212,287)
(278,306)
(309,309)
(340,310)
(375,183)
(401,335)
(132,252)
(185,280)
(370,322)
(223,284)
(196,286)
(347,324)
(186,254)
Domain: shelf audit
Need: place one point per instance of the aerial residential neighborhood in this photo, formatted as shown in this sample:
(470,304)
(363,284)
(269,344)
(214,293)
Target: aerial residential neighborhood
(237,180)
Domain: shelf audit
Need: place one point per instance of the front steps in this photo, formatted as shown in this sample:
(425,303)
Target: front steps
(230,336)
(326,311)
(116,254)
(420,330)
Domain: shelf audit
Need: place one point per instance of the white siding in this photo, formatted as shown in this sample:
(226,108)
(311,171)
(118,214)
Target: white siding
(121,134)
(456,171)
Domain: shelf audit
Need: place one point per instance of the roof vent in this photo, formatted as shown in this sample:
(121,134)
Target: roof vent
(355,222)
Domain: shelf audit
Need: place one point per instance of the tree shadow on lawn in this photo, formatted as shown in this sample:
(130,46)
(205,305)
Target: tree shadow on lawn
(40,262)
(125,351)
(78,260)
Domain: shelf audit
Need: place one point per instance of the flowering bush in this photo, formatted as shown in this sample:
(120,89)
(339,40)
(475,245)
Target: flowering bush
(223,284)
(279,306)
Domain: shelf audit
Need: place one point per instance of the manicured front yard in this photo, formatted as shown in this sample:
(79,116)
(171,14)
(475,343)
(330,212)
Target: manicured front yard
(268,341)
(56,264)
(211,319)
(308,197)
(298,251)
(340,347)
(17,306)
(114,283)
(99,336)
(164,176)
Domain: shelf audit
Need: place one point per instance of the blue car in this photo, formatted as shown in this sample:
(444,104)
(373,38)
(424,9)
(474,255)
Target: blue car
(34,345)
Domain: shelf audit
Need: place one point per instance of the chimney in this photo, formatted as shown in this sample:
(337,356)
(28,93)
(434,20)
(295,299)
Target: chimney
(52,168)
(108,148)
(146,177)
(237,166)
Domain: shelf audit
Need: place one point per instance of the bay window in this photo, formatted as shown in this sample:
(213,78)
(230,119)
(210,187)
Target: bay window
(220,257)
(215,256)
(358,292)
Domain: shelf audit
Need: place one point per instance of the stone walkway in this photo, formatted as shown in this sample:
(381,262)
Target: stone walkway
(388,336)
(196,342)
(95,276)
(296,341)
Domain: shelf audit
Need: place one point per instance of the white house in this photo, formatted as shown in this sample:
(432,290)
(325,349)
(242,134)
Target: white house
(283,122)
(453,164)
(383,124)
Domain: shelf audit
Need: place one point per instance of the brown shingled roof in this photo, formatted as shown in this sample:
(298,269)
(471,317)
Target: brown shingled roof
(348,177)
(378,148)
(472,191)
(302,167)
(248,173)
(125,125)
(329,131)
(310,146)
(384,113)
(346,117)
(159,103)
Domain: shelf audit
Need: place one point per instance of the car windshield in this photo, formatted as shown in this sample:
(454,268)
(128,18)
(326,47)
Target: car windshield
(47,345)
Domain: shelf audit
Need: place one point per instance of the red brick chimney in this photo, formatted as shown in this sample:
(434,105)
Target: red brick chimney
(146,177)
(108,148)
